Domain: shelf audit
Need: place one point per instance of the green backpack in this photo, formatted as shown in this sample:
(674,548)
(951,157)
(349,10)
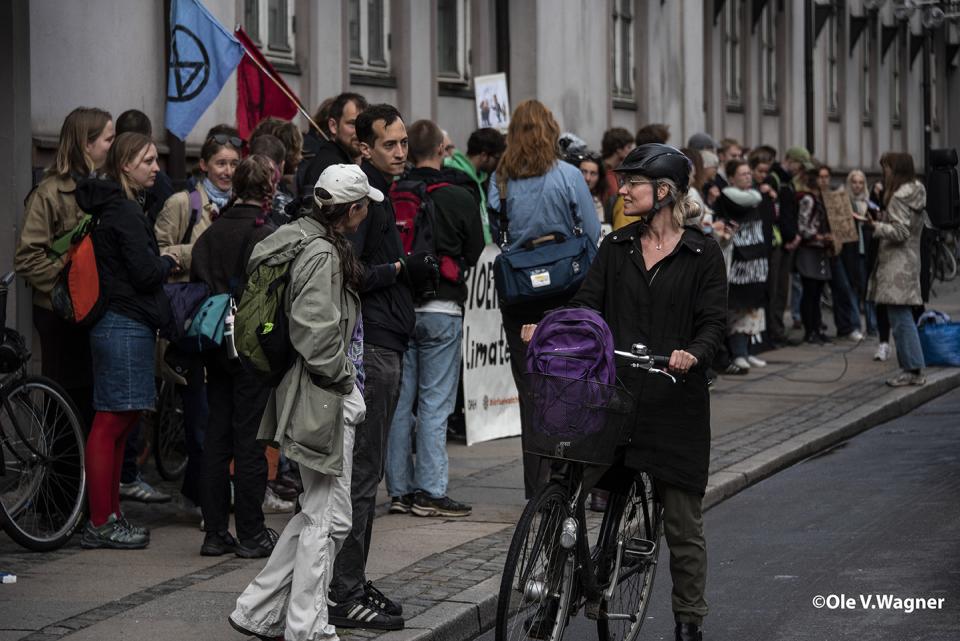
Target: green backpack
(261,327)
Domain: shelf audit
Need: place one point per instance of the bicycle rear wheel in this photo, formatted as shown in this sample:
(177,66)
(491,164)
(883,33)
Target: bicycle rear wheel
(169,441)
(944,262)
(639,530)
(537,583)
(42,443)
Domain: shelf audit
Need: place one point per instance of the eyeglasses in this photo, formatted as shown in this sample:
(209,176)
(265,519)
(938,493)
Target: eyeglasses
(632,181)
(224,139)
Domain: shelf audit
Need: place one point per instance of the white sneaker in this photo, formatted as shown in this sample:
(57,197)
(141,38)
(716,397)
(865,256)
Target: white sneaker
(273,504)
(756,361)
(856,336)
(883,352)
(741,362)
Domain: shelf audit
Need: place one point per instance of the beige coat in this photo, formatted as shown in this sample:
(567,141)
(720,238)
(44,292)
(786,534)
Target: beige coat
(172,223)
(896,277)
(304,416)
(51,212)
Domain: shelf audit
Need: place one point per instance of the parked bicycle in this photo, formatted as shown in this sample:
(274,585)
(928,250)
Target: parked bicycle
(167,439)
(944,254)
(552,572)
(42,477)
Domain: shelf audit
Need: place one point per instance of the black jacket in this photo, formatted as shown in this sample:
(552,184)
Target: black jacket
(131,269)
(328,152)
(683,306)
(387,303)
(786,218)
(221,253)
(458,231)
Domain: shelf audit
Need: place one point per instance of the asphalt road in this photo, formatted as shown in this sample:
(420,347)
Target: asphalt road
(877,517)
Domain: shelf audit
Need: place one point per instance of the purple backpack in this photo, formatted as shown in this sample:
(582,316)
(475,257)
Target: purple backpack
(574,343)
(571,375)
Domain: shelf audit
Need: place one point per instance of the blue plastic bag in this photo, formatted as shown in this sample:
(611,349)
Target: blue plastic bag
(941,344)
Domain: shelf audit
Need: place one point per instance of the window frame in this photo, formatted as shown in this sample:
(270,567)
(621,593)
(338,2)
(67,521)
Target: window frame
(769,67)
(868,58)
(733,40)
(896,87)
(284,57)
(362,65)
(624,51)
(833,66)
(464,56)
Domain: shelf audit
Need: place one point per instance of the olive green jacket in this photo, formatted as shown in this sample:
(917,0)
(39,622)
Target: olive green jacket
(305,413)
(51,212)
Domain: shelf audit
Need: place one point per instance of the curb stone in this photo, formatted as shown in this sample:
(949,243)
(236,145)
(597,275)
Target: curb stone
(465,615)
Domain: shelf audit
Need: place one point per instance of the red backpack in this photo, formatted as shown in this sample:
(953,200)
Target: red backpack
(416,218)
(76,295)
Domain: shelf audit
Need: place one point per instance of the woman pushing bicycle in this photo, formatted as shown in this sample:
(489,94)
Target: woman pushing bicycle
(659,283)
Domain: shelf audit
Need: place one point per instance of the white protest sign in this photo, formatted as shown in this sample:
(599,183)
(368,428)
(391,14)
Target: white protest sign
(490,401)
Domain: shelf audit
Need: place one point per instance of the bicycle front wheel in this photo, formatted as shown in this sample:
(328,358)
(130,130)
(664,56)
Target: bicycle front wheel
(638,533)
(537,583)
(42,485)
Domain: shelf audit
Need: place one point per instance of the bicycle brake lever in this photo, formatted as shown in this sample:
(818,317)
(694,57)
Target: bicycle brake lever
(654,370)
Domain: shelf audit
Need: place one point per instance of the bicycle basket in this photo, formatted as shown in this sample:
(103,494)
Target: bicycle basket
(13,351)
(573,419)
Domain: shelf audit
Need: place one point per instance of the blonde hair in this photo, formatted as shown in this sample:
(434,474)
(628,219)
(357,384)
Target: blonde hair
(684,205)
(531,142)
(124,151)
(81,127)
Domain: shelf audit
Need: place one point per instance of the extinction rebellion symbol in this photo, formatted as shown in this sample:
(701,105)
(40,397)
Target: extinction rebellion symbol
(189,63)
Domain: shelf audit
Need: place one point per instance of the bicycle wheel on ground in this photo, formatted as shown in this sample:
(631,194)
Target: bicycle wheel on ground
(537,583)
(169,442)
(42,478)
(639,532)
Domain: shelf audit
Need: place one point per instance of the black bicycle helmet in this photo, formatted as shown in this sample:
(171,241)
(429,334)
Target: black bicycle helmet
(656,160)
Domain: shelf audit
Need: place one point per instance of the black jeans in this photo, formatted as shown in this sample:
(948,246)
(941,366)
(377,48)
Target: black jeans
(810,305)
(778,282)
(536,470)
(65,357)
(193,395)
(236,400)
(383,368)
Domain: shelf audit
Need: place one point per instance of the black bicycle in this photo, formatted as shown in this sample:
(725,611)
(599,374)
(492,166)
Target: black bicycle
(553,570)
(42,478)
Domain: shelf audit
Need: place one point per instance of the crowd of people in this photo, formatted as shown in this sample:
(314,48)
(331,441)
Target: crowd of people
(376,319)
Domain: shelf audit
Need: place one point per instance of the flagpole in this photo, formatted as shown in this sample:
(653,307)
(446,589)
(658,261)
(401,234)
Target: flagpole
(292,98)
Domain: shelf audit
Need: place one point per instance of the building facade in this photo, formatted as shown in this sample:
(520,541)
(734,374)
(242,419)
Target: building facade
(732,68)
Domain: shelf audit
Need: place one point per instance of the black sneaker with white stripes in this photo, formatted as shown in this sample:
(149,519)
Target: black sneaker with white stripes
(381,600)
(363,613)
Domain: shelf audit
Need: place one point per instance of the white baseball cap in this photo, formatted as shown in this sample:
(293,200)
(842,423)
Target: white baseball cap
(345,184)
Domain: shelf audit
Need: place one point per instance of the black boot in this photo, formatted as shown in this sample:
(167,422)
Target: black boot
(689,632)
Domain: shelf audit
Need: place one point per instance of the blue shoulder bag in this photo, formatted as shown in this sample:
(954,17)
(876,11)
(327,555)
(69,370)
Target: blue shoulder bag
(549,266)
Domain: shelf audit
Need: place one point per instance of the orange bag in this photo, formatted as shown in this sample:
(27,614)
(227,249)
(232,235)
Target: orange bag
(76,294)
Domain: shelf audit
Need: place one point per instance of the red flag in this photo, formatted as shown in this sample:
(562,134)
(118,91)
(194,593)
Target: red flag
(258,94)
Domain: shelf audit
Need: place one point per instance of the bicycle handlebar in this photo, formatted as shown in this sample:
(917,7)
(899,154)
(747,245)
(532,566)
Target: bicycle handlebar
(640,357)
(7,279)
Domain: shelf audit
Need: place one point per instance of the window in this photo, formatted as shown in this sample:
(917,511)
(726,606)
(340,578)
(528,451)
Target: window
(623,47)
(768,58)
(453,40)
(732,53)
(833,71)
(270,24)
(369,36)
(896,73)
(868,57)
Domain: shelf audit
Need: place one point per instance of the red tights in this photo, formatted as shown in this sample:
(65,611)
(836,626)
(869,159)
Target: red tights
(104,460)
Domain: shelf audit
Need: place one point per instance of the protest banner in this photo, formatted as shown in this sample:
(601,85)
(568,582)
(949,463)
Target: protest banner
(490,399)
